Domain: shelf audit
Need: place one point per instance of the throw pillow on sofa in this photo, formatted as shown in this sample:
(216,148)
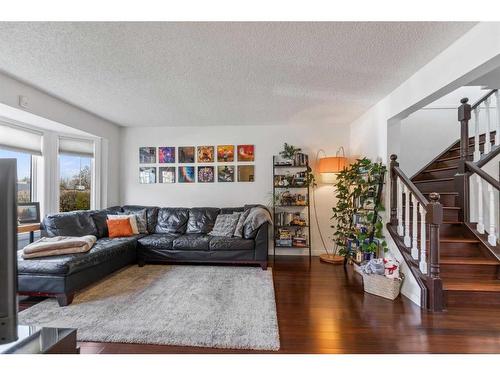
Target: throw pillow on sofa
(131,218)
(141,220)
(238,231)
(225,224)
(119,228)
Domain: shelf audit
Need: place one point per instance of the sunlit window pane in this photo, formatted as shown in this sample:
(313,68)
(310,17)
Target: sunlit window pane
(23,173)
(75,181)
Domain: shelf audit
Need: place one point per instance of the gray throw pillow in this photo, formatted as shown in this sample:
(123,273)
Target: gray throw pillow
(225,225)
(141,217)
(238,232)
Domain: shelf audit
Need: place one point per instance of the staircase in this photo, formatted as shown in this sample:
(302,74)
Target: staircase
(469,269)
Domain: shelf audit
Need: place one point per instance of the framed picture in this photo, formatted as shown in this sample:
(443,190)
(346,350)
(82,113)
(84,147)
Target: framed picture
(225,173)
(147,175)
(186,174)
(28,212)
(206,174)
(246,173)
(166,154)
(147,155)
(205,154)
(186,154)
(225,153)
(246,152)
(166,175)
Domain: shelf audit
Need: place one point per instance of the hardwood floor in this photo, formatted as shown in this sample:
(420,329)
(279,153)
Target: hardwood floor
(323,309)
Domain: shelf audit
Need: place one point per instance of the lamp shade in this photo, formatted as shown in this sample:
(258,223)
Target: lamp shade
(332,164)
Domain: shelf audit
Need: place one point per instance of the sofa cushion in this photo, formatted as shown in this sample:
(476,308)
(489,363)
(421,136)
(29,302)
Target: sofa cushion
(201,220)
(100,217)
(192,242)
(75,223)
(151,214)
(225,243)
(172,220)
(158,241)
(104,249)
(225,225)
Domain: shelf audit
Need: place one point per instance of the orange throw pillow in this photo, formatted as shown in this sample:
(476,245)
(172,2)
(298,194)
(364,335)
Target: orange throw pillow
(119,228)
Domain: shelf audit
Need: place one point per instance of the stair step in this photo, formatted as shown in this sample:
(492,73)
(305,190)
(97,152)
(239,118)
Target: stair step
(433,180)
(467,285)
(449,158)
(431,170)
(469,261)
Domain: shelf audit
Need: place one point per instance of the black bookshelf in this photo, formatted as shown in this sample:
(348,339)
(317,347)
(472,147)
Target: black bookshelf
(297,166)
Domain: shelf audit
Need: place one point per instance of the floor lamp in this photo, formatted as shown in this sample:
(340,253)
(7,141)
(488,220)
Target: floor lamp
(328,167)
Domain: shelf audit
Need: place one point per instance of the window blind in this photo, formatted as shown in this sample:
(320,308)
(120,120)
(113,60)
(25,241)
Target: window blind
(16,138)
(75,146)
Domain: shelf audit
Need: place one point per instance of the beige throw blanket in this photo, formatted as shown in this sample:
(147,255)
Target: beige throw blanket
(59,245)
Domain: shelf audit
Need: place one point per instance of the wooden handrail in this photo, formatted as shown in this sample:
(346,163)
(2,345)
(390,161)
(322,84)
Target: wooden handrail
(423,263)
(413,189)
(490,156)
(481,173)
(482,99)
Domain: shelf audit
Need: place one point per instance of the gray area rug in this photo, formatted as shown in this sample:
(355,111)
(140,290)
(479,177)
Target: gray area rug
(221,307)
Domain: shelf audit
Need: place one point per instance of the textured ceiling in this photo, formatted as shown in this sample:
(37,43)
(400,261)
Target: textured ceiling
(192,74)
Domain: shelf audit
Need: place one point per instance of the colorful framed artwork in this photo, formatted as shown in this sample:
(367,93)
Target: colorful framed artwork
(186,154)
(147,155)
(166,154)
(205,154)
(246,173)
(246,152)
(166,175)
(147,175)
(186,174)
(206,174)
(225,153)
(225,173)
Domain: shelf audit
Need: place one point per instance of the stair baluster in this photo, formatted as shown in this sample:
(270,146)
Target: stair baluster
(477,152)
(407,238)
(400,207)
(492,238)
(480,223)
(423,230)
(414,235)
(487,142)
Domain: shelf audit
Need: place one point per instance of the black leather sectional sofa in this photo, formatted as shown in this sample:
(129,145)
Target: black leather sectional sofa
(174,235)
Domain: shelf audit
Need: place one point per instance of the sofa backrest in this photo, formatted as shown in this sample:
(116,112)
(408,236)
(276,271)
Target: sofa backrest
(201,219)
(172,220)
(75,223)
(151,214)
(196,220)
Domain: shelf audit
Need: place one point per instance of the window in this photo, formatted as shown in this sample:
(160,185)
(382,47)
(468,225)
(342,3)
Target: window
(75,182)
(24,180)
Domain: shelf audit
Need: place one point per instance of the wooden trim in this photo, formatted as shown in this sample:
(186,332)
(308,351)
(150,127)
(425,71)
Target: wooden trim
(483,239)
(25,228)
(481,173)
(495,150)
(482,99)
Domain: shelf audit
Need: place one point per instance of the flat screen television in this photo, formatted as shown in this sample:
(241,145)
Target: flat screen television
(8,250)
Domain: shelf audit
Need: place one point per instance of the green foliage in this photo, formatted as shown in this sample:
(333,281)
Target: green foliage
(289,151)
(356,184)
(71,200)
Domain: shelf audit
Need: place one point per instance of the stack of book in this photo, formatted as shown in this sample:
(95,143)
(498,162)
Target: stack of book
(284,238)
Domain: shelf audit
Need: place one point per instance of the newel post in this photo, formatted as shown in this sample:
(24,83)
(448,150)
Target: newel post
(434,217)
(394,190)
(461,178)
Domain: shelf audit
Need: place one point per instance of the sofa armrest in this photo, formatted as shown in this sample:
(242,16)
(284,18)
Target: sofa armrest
(262,243)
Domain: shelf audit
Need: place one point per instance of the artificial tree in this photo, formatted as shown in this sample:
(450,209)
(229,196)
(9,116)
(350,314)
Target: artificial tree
(356,186)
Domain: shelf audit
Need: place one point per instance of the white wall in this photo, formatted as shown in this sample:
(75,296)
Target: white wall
(470,57)
(268,141)
(49,107)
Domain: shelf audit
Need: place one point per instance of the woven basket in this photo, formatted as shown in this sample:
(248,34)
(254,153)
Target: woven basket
(382,286)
